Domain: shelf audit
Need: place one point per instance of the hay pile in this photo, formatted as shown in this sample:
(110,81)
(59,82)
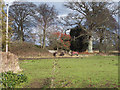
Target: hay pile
(9,62)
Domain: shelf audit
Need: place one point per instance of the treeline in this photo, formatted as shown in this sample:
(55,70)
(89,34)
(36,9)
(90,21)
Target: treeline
(96,21)
(90,24)
(23,16)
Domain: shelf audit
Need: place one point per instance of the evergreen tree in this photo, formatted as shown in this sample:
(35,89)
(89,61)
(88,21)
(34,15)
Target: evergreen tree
(79,39)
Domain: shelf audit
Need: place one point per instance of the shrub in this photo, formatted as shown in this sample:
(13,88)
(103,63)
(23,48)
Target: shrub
(10,79)
(60,40)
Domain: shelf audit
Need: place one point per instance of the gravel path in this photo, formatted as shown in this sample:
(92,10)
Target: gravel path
(44,58)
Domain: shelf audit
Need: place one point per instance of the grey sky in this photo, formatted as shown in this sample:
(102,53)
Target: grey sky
(62,10)
(55,0)
(58,3)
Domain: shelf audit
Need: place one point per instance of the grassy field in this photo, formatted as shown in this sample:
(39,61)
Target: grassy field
(88,72)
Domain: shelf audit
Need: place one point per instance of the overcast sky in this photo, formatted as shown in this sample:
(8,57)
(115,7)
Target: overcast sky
(57,3)
(62,10)
(53,0)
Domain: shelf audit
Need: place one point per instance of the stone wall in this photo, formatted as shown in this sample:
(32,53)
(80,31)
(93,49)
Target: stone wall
(9,62)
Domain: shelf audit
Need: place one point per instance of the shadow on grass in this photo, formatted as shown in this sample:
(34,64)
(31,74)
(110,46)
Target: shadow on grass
(116,54)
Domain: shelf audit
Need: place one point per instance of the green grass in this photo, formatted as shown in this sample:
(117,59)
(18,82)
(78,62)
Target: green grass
(94,71)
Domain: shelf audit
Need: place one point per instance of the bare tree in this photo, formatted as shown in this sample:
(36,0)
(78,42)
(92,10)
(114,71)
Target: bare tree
(21,15)
(105,29)
(89,16)
(45,17)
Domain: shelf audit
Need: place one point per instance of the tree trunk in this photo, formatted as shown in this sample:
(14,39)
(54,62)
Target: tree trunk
(22,34)
(90,46)
(100,45)
(44,37)
(40,40)
(21,37)
(106,45)
(57,47)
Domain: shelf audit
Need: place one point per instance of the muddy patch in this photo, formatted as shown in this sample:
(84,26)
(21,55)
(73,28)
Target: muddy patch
(40,83)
